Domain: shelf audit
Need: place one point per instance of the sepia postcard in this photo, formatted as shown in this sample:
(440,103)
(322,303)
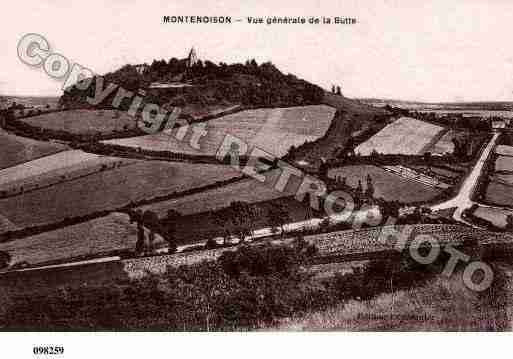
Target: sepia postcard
(194,166)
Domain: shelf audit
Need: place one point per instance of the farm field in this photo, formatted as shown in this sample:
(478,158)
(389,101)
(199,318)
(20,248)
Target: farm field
(108,190)
(52,169)
(504,150)
(273,130)
(499,194)
(506,178)
(494,215)
(387,185)
(6,225)
(84,121)
(444,145)
(248,190)
(404,136)
(16,150)
(201,226)
(105,234)
(504,163)
(352,105)
(197,111)
(499,190)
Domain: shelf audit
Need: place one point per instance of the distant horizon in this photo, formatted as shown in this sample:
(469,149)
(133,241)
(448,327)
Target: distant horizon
(351,98)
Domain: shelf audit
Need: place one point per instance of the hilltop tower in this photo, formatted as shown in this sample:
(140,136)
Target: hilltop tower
(192,59)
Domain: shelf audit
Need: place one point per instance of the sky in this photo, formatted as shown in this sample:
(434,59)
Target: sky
(458,50)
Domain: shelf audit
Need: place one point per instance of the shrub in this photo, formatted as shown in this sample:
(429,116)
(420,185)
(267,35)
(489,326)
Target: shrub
(211,244)
(5,259)
(261,260)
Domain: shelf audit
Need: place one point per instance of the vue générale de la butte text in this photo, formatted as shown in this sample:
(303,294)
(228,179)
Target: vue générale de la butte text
(268,20)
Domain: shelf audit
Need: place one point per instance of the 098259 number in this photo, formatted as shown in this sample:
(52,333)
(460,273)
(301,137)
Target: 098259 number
(48,350)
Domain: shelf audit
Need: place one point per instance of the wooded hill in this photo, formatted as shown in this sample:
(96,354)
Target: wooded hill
(248,84)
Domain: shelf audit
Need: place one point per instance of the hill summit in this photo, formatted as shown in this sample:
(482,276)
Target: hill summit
(193,83)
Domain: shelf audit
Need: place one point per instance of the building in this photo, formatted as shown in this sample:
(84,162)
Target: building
(192,59)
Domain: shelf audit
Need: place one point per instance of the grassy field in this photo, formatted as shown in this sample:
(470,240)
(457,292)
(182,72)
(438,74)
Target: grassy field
(108,190)
(387,185)
(101,235)
(495,215)
(500,187)
(274,130)
(352,106)
(404,136)
(504,150)
(505,178)
(84,121)
(442,304)
(499,194)
(6,225)
(504,163)
(444,145)
(16,150)
(52,169)
(249,190)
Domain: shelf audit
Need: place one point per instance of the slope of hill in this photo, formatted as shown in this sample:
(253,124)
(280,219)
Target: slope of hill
(17,150)
(205,87)
(351,105)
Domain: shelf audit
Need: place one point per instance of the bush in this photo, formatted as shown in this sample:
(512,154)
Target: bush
(211,244)
(5,259)
(261,260)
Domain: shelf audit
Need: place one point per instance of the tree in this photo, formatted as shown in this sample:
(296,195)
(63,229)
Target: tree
(219,220)
(278,216)
(323,169)
(369,192)
(339,91)
(359,188)
(242,216)
(136,216)
(139,245)
(325,224)
(172,219)
(211,244)
(151,220)
(427,160)
(5,259)
(509,223)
